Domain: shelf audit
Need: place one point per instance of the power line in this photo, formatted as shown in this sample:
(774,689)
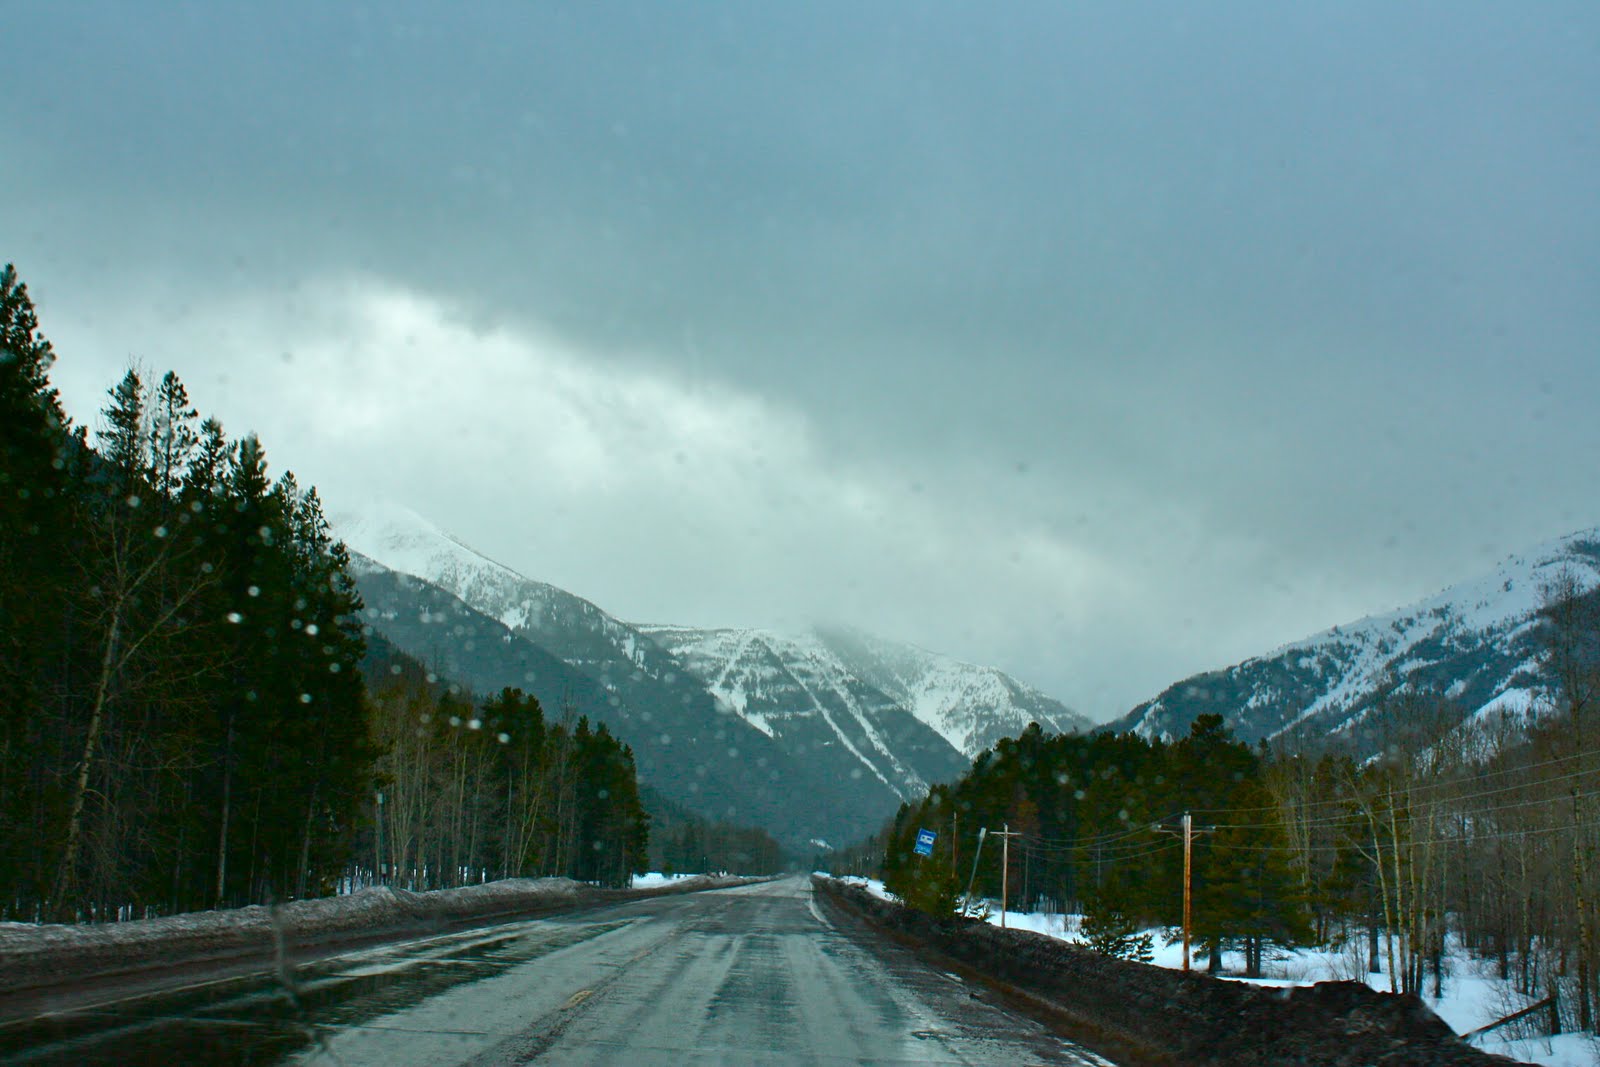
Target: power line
(1415,792)
(1469,838)
(1074,842)
(1093,856)
(1424,787)
(1361,815)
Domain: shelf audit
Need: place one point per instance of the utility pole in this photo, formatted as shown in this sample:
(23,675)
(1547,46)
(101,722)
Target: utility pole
(377,864)
(1005,837)
(966,898)
(955,845)
(1188,883)
(1188,832)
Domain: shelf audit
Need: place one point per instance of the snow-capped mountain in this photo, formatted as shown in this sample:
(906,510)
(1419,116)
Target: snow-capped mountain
(770,679)
(1472,643)
(786,732)
(970,706)
(569,626)
(794,689)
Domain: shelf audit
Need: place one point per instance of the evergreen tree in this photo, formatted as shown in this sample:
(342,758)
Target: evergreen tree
(173,438)
(1109,931)
(38,453)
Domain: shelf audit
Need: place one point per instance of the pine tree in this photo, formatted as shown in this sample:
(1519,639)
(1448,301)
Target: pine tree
(172,438)
(1108,930)
(141,589)
(39,453)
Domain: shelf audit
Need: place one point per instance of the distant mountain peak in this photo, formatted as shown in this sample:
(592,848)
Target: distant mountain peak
(406,541)
(970,706)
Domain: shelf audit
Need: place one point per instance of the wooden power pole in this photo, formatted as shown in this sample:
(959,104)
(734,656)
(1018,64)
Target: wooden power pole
(955,847)
(966,898)
(1188,832)
(1005,837)
(1188,884)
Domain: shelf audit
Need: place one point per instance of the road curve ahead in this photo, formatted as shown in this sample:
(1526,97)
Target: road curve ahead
(752,975)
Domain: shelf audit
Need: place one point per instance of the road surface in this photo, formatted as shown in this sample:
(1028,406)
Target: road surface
(752,975)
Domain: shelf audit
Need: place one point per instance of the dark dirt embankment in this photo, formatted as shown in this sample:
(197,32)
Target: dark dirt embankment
(1148,1016)
(52,966)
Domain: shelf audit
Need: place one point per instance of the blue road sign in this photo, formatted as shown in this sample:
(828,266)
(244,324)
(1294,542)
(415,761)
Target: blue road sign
(925,839)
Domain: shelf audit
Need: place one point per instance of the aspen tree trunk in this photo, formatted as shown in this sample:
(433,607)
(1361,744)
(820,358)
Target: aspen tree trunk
(305,847)
(1402,906)
(473,814)
(1383,893)
(1525,986)
(1581,906)
(227,812)
(1582,860)
(65,872)
(1389,915)
(510,837)
(1441,932)
(461,854)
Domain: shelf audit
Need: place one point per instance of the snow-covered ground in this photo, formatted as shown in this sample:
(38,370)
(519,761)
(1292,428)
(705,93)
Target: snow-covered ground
(655,879)
(1473,996)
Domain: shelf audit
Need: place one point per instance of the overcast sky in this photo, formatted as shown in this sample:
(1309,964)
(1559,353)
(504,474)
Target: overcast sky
(1101,342)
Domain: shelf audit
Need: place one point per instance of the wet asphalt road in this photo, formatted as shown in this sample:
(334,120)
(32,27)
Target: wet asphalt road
(753,975)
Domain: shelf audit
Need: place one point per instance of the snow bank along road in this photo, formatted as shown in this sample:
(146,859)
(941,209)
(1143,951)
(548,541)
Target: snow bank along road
(750,975)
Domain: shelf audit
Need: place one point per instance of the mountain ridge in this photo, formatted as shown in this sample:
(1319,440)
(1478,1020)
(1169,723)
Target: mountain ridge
(819,732)
(784,684)
(1471,642)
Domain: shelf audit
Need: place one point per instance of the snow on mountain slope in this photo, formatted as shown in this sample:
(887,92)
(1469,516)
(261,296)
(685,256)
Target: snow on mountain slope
(692,745)
(761,674)
(1472,643)
(795,689)
(850,721)
(685,746)
(970,706)
(403,541)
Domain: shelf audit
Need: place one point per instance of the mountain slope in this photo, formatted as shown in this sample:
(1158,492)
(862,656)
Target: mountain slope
(970,706)
(709,762)
(689,746)
(1472,642)
(795,690)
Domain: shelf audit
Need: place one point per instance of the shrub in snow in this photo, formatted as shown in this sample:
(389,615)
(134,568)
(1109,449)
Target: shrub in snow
(1111,933)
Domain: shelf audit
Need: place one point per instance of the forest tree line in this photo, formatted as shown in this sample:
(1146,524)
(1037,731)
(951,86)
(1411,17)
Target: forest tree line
(682,842)
(470,791)
(1485,835)
(184,721)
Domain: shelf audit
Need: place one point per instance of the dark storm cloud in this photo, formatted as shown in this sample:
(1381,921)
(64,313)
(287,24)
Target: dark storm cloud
(1229,323)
